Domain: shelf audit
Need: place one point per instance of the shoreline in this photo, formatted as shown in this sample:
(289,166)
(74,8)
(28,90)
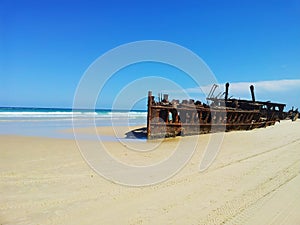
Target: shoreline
(254,179)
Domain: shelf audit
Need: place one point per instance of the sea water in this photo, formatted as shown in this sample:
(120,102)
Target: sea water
(50,122)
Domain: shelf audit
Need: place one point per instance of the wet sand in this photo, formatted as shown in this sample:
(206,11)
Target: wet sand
(254,180)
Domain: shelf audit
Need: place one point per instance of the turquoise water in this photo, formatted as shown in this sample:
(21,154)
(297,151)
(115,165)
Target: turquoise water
(49,122)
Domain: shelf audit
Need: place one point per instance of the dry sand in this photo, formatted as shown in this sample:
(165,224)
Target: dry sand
(254,180)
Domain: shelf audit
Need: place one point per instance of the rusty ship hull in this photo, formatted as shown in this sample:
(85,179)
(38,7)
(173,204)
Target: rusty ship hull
(171,118)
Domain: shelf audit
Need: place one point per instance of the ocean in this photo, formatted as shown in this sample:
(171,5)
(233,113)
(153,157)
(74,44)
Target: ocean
(49,122)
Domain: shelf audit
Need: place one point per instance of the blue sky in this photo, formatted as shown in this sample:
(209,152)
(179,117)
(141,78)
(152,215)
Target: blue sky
(46,46)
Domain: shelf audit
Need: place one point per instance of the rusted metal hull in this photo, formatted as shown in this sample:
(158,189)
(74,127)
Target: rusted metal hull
(169,119)
(238,120)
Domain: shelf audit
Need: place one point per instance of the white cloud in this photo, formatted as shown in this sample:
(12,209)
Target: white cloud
(260,86)
(282,91)
(286,91)
(269,86)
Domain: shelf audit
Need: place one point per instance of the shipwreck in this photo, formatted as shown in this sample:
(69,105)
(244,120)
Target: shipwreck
(189,117)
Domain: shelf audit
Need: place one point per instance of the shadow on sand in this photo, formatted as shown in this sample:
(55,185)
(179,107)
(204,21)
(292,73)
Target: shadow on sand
(139,133)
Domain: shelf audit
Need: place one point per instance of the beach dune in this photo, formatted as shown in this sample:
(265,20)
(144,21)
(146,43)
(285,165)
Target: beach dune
(253,180)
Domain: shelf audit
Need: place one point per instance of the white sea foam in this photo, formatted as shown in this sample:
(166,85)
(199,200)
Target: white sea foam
(43,122)
(72,115)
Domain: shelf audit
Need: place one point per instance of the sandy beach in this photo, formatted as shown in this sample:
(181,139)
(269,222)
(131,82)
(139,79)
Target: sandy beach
(254,180)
